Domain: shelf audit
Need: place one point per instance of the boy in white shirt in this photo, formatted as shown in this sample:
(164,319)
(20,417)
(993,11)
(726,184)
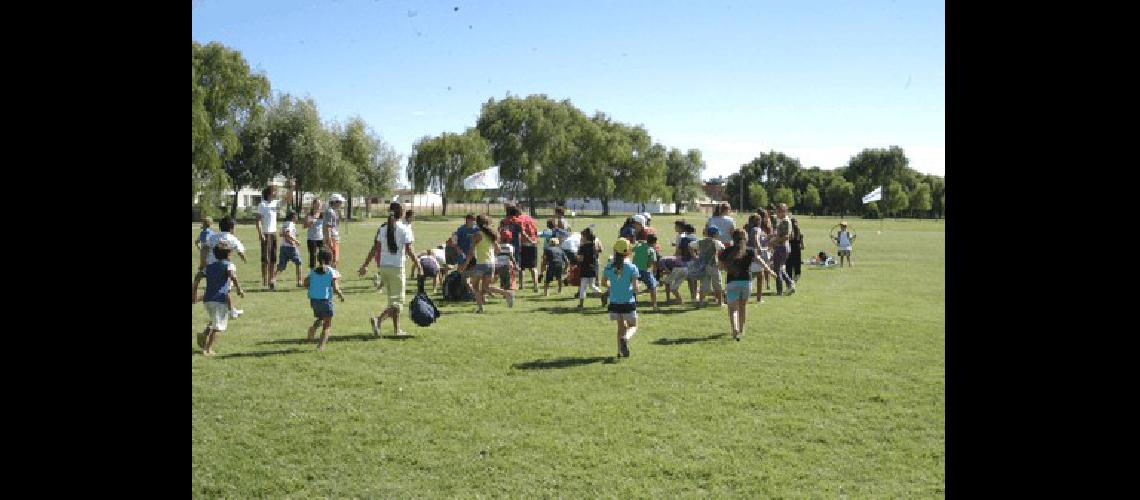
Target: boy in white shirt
(289,245)
(267,235)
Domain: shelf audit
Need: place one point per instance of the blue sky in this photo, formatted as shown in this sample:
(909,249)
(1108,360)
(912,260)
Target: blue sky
(819,81)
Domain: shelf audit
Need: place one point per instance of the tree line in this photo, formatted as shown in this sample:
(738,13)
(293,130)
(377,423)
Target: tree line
(547,150)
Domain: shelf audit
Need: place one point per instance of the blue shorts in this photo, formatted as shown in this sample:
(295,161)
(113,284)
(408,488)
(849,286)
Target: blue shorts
(288,254)
(322,308)
(647,277)
(738,290)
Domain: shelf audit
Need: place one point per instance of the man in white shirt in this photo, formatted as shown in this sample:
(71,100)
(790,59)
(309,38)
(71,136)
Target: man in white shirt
(267,234)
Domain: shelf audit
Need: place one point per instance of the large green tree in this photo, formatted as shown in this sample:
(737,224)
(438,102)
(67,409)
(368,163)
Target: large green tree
(876,167)
(840,195)
(442,162)
(226,94)
(811,199)
(683,174)
(895,198)
(920,199)
(784,195)
(604,144)
(758,194)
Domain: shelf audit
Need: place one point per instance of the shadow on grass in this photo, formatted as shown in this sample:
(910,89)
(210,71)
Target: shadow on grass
(332,338)
(260,354)
(572,310)
(686,340)
(547,364)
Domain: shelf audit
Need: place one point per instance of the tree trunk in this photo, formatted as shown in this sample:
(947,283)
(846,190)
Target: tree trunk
(368,205)
(444,199)
(605,206)
(349,206)
(530,200)
(233,209)
(676,208)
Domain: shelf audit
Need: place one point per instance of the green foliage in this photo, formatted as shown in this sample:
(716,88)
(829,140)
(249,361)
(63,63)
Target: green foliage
(921,199)
(784,195)
(811,199)
(758,195)
(225,95)
(441,163)
(840,195)
(897,197)
(683,176)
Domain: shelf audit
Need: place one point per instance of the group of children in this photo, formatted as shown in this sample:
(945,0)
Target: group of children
(480,254)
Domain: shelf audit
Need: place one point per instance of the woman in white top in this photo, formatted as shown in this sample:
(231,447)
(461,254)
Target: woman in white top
(393,243)
(267,235)
(315,240)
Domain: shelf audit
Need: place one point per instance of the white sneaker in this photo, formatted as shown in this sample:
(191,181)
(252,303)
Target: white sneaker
(629,333)
(234,313)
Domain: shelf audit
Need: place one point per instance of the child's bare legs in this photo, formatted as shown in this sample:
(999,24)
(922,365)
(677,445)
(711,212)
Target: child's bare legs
(545,287)
(479,291)
(327,323)
(732,317)
(741,313)
(620,334)
(759,289)
(211,337)
(313,330)
(692,288)
(300,282)
(533,279)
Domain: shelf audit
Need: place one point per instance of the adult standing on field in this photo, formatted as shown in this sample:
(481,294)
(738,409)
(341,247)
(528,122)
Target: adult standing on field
(315,237)
(331,219)
(781,241)
(524,239)
(722,221)
(392,244)
(267,235)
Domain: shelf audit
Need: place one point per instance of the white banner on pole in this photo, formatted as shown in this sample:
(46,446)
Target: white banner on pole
(875,195)
(487,179)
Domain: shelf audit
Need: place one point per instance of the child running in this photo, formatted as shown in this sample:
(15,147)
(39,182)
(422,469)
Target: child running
(289,245)
(622,276)
(483,248)
(707,269)
(219,275)
(737,261)
(225,225)
(205,233)
(553,264)
(588,264)
(645,258)
(505,263)
(322,282)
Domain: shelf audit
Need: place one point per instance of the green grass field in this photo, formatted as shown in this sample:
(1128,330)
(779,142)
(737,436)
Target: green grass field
(838,390)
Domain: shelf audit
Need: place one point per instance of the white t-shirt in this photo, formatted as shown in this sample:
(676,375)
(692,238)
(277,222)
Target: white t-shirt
(316,227)
(332,221)
(288,228)
(844,240)
(268,212)
(504,256)
(231,240)
(726,225)
(439,256)
(403,237)
(572,243)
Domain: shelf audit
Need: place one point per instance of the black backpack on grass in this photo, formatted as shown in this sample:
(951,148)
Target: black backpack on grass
(422,310)
(454,289)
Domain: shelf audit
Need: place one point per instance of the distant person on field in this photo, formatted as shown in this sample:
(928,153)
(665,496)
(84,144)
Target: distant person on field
(331,223)
(796,244)
(781,246)
(205,233)
(708,269)
(323,281)
(553,265)
(505,263)
(737,261)
(267,235)
(315,237)
(844,240)
(289,246)
(588,253)
(219,275)
(644,257)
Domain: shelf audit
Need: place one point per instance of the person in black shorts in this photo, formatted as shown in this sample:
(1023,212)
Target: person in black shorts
(587,264)
(553,263)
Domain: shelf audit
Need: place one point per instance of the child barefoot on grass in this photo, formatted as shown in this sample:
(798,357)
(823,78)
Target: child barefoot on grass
(219,275)
(322,282)
(289,246)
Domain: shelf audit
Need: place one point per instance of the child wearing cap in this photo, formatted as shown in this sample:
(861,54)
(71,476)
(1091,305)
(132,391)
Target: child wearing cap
(323,281)
(645,258)
(844,241)
(219,275)
(708,270)
(289,246)
(622,304)
(553,264)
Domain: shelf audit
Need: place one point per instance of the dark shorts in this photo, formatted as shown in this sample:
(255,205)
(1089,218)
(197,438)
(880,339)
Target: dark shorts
(647,277)
(528,257)
(322,308)
(269,249)
(288,254)
(553,273)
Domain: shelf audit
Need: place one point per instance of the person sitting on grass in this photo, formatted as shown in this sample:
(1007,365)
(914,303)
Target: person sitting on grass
(289,245)
(553,265)
(645,258)
(707,268)
(219,275)
(622,304)
(322,282)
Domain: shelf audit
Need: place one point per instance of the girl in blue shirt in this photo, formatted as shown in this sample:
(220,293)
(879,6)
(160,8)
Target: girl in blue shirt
(622,276)
(323,281)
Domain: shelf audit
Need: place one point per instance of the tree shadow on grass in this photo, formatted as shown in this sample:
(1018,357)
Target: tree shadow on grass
(547,364)
(686,340)
(572,310)
(260,354)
